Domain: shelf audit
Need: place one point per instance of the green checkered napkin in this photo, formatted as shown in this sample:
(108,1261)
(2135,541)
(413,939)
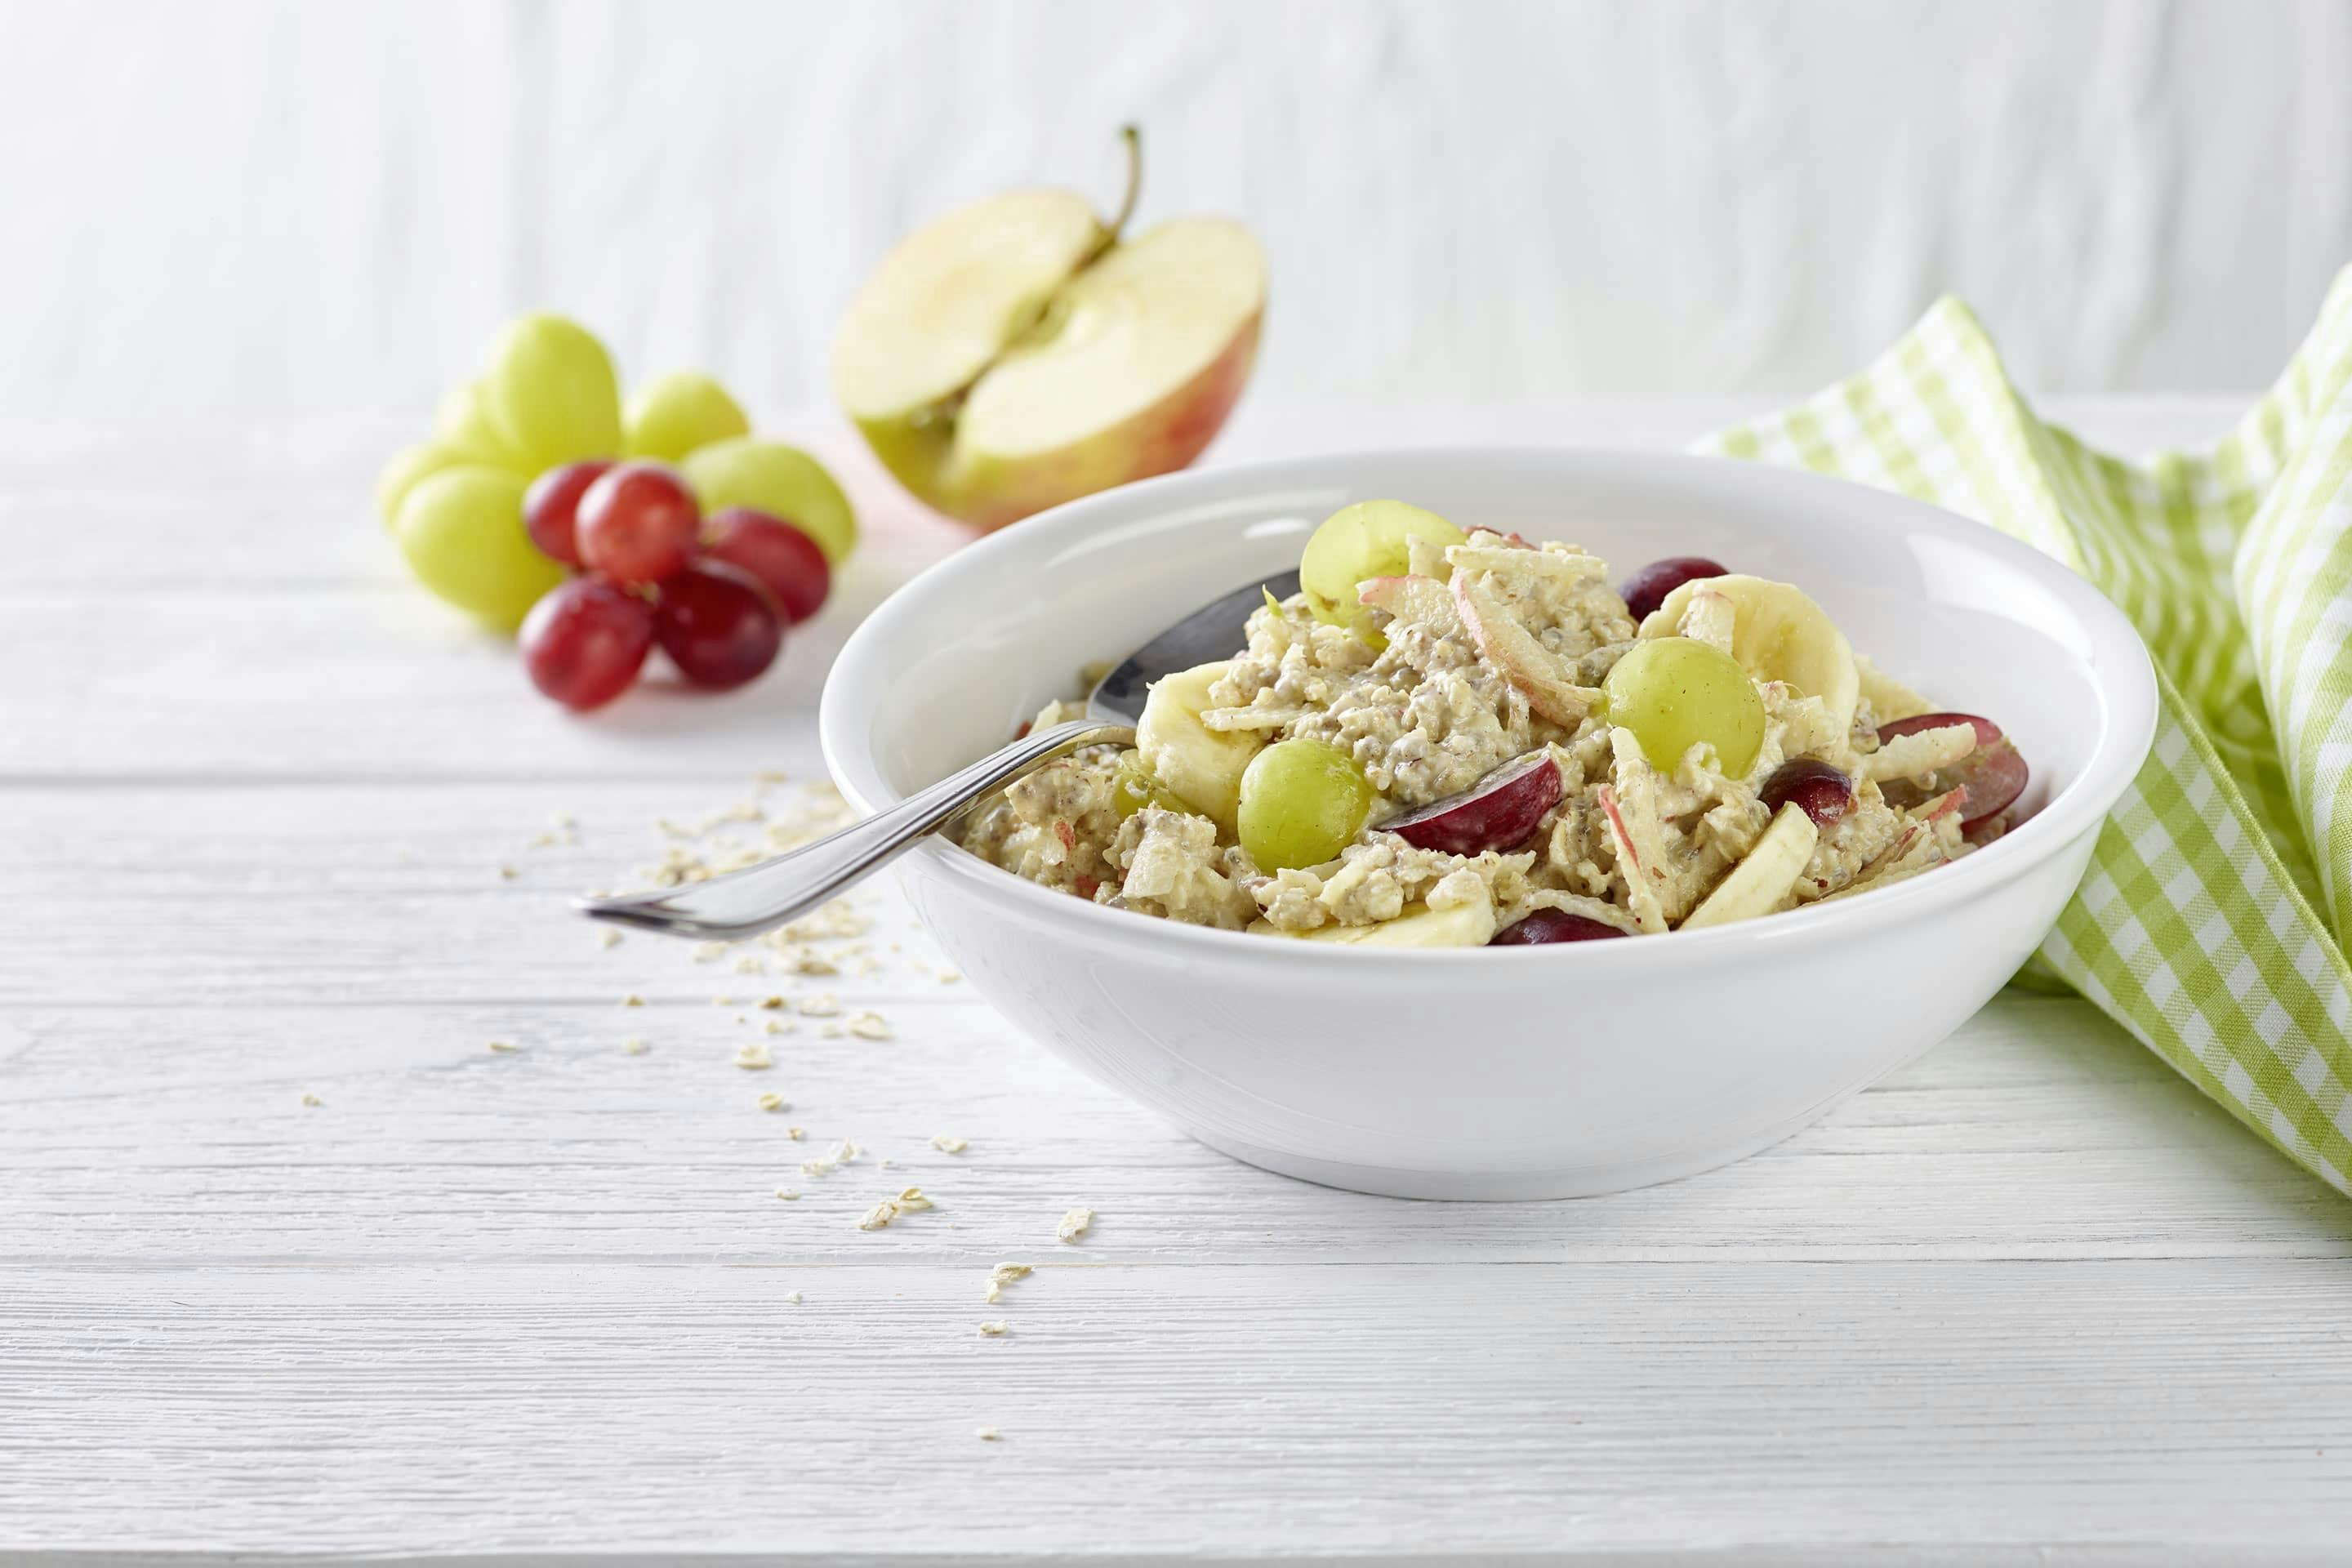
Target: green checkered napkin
(2198,926)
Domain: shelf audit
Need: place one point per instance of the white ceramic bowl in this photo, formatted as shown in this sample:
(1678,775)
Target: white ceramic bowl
(1499,1072)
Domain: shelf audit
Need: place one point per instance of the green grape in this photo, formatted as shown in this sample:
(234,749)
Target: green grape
(673,414)
(782,481)
(1674,692)
(1302,803)
(409,467)
(550,393)
(462,532)
(461,422)
(1132,788)
(1358,543)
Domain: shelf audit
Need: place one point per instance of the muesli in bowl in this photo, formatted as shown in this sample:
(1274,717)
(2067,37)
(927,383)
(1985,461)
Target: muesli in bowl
(1450,738)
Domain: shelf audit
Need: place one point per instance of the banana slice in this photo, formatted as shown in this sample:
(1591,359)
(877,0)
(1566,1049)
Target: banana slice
(1202,766)
(1758,884)
(1459,925)
(1777,634)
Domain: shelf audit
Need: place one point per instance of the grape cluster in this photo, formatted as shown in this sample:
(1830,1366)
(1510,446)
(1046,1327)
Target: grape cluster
(541,503)
(717,596)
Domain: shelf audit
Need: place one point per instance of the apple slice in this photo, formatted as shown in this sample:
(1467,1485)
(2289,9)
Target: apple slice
(1993,769)
(1498,811)
(1514,651)
(1016,354)
(1415,600)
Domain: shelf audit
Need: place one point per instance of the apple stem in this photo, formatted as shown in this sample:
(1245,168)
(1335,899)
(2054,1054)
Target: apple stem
(1131,136)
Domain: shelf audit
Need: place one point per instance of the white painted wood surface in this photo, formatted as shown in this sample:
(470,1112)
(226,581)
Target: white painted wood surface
(267,207)
(2032,1300)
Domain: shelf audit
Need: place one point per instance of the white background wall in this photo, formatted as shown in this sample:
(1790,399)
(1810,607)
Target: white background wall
(225,210)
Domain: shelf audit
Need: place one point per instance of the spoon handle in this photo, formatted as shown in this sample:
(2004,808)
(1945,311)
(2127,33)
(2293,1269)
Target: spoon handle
(758,898)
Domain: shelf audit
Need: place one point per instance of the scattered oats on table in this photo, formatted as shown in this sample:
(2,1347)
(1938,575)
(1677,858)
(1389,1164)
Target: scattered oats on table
(608,937)
(780,1025)
(949,977)
(771,1003)
(788,1194)
(633,1000)
(504,1045)
(722,1001)
(842,1153)
(771,1100)
(633,1046)
(1000,1276)
(312,1099)
(752,1056)
(795,1134)
(751,963)
(869,1026)
(709,951)
(824,1007)
(989,1435)
(508,873)
(907,1202)
(1074,1225)
(793,1297)
(995,1330)
(948,1143)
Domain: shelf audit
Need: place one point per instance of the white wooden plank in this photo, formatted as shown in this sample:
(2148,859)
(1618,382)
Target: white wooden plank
(2036,1133)
(507,1408)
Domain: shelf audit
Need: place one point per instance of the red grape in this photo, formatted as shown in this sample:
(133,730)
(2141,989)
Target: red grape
(638,523)
(1542,926)
(1820,791)
(1495,813)
(550,508)
(585,640)
(786,562)
(1646,589)
(1994,773)
(716,625)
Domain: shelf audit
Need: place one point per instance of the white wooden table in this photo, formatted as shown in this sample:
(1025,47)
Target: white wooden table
(258,795)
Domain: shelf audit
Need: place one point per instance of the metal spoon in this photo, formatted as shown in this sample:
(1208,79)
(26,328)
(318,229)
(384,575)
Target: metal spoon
(758,898)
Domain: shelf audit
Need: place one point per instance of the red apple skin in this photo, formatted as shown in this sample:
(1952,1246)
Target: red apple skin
(990,492)
(1497,812)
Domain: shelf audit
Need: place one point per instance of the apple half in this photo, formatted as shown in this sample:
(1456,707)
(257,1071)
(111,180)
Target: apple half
(1019,353)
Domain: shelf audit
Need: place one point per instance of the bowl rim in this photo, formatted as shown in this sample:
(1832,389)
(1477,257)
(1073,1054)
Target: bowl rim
(2117,662)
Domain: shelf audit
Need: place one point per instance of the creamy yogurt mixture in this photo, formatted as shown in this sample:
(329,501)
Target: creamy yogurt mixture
(1457,739)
